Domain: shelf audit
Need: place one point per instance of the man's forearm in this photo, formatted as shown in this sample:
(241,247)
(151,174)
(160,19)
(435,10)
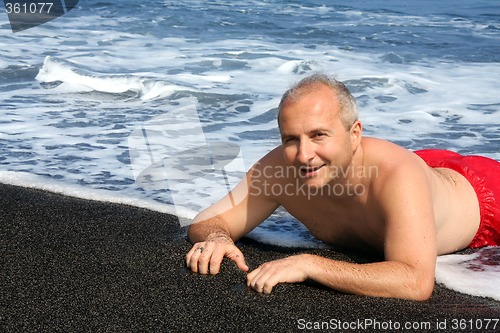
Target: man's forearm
(383,279)
(212,229)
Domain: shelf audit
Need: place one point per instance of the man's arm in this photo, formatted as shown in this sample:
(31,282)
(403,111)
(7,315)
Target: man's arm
(384,279)
(215,230)
(409,246)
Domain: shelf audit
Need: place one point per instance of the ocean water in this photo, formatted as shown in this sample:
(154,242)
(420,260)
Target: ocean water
(165,104)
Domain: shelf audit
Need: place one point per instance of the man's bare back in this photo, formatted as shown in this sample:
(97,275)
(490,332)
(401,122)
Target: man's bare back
(349,191)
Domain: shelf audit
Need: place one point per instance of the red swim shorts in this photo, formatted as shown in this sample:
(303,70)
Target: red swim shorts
(484,175)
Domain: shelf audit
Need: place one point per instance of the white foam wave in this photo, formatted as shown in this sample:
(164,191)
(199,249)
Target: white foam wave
(57,70)
(475,274)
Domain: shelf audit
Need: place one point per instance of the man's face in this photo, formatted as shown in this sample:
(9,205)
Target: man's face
(314,139)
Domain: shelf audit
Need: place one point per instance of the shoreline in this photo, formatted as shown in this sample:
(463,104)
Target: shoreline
(79,265)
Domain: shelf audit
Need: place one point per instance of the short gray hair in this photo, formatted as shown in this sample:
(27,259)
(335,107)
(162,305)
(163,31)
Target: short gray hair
(347,103)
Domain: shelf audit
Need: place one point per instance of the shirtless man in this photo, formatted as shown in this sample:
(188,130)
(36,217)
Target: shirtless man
(349,191)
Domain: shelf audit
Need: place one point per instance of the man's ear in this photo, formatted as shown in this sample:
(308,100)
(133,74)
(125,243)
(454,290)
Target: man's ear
(356,132)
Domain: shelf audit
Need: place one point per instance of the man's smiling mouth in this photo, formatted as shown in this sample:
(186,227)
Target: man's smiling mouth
(308,172)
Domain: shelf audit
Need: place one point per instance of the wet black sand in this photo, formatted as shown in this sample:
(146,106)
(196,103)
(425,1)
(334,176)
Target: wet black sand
(70,265)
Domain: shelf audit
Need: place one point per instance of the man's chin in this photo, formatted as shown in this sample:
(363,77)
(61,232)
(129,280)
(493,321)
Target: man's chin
(314,184)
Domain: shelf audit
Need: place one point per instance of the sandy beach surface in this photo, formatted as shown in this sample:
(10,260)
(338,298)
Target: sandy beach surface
(73,265)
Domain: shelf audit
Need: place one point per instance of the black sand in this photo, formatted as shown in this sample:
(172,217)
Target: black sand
(70,265)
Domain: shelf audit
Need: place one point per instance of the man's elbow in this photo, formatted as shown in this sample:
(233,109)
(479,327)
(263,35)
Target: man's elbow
(422,290)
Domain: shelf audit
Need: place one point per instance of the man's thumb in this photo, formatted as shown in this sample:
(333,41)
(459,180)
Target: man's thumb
(239,259)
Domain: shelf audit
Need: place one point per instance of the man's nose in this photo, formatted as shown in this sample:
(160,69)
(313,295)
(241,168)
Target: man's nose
(306,152)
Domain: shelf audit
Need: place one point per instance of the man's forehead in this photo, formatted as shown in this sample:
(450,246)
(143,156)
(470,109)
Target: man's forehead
(302,121)
(303,102)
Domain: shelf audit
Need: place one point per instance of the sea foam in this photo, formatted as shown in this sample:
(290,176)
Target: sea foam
(476,274)
(57,70)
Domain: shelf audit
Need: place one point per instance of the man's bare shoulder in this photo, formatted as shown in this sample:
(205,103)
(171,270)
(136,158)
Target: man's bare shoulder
(388,156)
(272,158)
(270,163)
(396,166)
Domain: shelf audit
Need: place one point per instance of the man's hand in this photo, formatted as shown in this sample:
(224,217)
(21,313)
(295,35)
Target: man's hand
(206,257)
(291,270)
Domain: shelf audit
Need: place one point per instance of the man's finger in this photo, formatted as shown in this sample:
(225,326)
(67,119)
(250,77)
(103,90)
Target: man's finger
(193,256)
(251,276)
(238,257)
(204,260)
(215,261)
